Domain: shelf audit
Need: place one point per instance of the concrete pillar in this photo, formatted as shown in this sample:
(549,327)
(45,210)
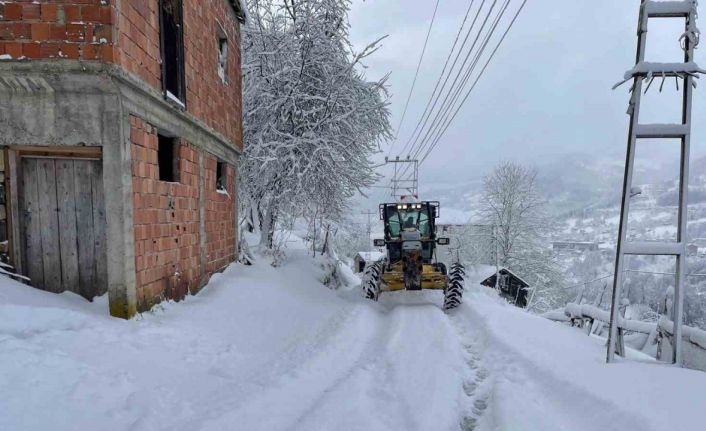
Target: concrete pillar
(117,180)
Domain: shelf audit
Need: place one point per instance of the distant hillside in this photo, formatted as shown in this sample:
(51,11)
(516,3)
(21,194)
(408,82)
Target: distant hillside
(577,184)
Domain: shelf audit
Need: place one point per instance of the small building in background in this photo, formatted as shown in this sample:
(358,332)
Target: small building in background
(362,258)
(581,246)
(512,287)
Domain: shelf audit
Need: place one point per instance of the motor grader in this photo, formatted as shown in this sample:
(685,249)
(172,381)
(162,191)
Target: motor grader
(411,262)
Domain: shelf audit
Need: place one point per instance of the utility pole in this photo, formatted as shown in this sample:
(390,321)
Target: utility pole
(642,75)
(496,234)
(401,181)
(370,228)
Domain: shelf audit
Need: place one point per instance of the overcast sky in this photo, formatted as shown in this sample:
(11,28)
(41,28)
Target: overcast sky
(547,93)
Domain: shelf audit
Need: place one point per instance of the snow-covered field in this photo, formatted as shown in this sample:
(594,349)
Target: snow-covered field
(273,349)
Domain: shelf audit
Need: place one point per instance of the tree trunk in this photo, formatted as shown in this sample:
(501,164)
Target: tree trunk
(267,227)
(324,248)
(250,226)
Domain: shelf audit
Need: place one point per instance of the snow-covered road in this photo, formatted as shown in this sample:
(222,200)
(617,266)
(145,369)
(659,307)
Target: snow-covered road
(273,349)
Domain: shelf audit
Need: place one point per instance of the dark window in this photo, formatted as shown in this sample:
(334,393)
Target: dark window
(221,179)
(167,159)
(222,57)
(172,45)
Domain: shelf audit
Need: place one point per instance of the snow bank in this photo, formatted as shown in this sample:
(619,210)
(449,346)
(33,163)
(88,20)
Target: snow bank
(59,355)
(694,335)
(576,311)
(548,376)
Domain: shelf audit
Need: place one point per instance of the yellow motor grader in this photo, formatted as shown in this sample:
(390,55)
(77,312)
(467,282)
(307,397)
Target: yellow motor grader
(411,264)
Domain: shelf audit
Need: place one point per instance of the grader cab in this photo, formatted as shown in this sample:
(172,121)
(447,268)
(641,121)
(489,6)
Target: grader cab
(411,262)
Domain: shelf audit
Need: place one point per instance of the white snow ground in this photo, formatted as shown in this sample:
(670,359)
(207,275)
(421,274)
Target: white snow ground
(273,349)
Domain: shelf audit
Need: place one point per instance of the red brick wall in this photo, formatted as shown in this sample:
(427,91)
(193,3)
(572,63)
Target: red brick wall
(137,48)
(75,29)
(166,220)
(208,98)
(127,32)
(220,217)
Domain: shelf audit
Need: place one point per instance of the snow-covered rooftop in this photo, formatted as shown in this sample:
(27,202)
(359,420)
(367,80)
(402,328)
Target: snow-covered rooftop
(371,256)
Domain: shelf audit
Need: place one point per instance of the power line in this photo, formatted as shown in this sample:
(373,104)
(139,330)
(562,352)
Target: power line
(417,144)
(416,74)
(475,82)
(630,270)
(445,110)
(453,93)
(429,108)
(443,71)
(444,93)
(432,133)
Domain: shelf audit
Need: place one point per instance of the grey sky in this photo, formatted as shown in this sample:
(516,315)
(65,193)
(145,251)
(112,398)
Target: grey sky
(547,92)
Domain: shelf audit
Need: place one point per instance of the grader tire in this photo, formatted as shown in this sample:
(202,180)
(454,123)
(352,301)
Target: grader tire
(454,292)
(371,280)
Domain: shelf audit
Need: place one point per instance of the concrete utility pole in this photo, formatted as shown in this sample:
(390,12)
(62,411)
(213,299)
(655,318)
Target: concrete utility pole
(644,73)
(370,228)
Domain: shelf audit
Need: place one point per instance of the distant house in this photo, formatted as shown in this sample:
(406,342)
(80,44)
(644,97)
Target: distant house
(511,286)
(450,228)
(364,257)
(581,246)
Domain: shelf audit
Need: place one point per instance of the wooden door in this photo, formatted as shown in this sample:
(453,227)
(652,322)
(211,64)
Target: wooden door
(63,225)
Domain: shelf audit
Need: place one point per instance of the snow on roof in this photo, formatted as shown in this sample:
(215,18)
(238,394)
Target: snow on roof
(501,269)
(371,256)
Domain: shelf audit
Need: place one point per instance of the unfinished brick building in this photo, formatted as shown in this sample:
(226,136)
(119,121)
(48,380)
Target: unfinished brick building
(120,126)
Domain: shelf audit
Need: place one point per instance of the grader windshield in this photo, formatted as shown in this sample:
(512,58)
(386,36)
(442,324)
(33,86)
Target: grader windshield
(414,216)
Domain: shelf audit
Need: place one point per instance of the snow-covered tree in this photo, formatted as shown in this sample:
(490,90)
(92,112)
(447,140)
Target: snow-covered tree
(512,203)
(311,120)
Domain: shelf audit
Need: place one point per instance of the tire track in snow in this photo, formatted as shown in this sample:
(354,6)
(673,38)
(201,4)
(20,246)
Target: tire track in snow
(404,384)
(428,361)
(364,393)
(304,375)
(292,361)
(389,366)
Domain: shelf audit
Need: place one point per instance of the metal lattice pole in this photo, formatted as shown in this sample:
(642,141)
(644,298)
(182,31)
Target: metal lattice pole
(646,72)
(401,181)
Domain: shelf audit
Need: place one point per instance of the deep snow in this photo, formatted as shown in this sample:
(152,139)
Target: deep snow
(273,349)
